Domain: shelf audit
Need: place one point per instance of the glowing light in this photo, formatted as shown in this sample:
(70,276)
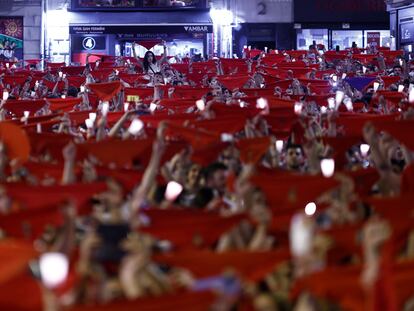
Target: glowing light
(221,16)
(92,116)
(26,114)
(411,96)
(89,123)
(328,167)
(279,145)
(201,105)
(298,108)
(310,209)
(300,236)
(261,103)
(226,137)
(105,108)
(173,191)
(364,148)
(54,269)
(136,126)
(153,107)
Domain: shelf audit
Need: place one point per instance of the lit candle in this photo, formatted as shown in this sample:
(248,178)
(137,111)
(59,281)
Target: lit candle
(105,108)
(364,148)
(328,167)
(173,191)
(261,103)
(279,145)
(5,95)
(89,123)
(136,126)
(200,104)
(92,116)
(54,269)
(298,108)
(310,209)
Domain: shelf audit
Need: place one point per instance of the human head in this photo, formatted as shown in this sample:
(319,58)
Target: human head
(397,70)
(294,157)
(215,176)
(149,57)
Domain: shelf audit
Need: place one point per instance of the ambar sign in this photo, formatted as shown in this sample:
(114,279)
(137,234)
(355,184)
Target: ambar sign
(196,28)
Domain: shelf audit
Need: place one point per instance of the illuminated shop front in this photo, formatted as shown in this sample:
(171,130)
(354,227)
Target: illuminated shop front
(111,27)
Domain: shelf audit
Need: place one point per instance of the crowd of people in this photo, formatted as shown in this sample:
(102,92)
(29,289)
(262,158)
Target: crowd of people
(282,180)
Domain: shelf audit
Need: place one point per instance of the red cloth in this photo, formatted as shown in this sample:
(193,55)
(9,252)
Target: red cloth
(189,92)
(149,44)
(106,91)
(63,104)
(233,82)
(198,138)
(252,266)
(73,70)
(119,152)
(189,229)
(14,80)
(252,149)
(76,81)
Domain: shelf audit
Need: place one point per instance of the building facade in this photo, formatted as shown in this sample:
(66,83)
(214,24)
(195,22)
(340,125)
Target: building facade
(20,29)
(402,23)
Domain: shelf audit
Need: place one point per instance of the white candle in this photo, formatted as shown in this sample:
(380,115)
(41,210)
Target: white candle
(173,191)
(261,103)
(310,209)
(328,167)
(89,123)
(279,145)
(200,104)
(92,116)
(54,268)
(105,108)
(136,126)
(5,95)
(298,108)
(364,148)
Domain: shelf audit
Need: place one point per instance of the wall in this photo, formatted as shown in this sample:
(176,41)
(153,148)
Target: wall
(262,11)
(32,17)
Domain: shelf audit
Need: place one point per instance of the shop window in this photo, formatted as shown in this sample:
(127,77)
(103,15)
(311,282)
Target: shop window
(346,38)
(306,37)
(381,37)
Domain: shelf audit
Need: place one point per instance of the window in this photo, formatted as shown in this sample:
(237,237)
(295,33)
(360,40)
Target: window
(381,37)
(345,38)
(306,37)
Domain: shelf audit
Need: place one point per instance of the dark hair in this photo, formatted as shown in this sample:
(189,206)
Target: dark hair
(212,168)
(72,91)
(146,63)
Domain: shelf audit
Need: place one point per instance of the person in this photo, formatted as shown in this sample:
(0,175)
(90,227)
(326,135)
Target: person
(150,65)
